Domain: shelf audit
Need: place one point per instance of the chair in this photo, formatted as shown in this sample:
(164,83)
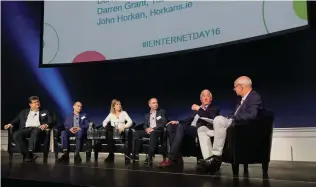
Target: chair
(249,143)
(87,144)
(162,142)
(43,143)
(42,147)
(121,145)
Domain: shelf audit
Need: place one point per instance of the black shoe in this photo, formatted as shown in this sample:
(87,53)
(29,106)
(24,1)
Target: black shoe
(30,157)
(77,158)
(148,160)
(203,161)
(64,157)
(135,158)
(110,158)
(212,164)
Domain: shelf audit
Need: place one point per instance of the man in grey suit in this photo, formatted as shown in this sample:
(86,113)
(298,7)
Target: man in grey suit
(154,124)
(248,109)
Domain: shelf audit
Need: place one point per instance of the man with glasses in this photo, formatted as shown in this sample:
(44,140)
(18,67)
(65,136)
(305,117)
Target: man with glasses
(248,109)
(31,123)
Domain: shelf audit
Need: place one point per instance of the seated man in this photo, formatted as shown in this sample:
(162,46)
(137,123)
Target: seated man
(248,109)
(177,132)
(155,122)
(31,124)
(76,124)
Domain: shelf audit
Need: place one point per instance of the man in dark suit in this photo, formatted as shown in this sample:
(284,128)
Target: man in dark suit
(76,124)
(31,124)
(155,122)
(248,109)
(177,129)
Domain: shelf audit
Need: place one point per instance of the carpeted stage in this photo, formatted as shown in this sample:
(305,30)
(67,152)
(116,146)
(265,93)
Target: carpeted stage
(119,174)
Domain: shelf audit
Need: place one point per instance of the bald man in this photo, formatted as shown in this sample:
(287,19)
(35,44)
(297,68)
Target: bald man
(177,129)
(76,124)
(247,110)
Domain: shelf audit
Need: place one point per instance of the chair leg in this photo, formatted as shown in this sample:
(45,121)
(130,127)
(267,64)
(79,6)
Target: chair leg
(10,155)
(45,156)
(246,169)
(88,156)
(235,168)
(56,155)
(265,167)
(96,155)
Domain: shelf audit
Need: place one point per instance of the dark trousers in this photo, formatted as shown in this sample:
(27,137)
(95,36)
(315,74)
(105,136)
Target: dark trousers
(80,136)
(153,139)
(33,133)
(109,139)
(176,134)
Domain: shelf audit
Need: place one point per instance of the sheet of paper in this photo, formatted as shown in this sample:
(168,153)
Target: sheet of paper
(207,120)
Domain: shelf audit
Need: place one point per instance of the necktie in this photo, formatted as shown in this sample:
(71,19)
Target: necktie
(239,106)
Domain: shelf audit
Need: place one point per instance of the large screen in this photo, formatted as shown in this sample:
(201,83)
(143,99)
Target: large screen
(86,31)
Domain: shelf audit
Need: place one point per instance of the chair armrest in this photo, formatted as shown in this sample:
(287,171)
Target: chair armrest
(56,132)
(10,132)
(138,127)
(47,131)
(249,141)
(10,138)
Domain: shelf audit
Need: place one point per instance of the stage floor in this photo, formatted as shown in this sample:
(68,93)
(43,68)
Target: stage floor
(119,174)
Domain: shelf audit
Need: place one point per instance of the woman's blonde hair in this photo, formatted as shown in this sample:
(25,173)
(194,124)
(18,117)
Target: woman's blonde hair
(114,102)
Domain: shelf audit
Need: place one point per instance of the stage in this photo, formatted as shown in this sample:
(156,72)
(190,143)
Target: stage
(119,174)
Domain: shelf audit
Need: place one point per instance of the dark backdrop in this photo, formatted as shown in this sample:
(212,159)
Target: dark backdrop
(282,69)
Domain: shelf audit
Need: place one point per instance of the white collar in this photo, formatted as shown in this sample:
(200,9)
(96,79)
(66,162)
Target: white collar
(205,106)
(244,98)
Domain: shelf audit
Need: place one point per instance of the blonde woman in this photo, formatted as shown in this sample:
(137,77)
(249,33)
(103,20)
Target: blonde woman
(116,119)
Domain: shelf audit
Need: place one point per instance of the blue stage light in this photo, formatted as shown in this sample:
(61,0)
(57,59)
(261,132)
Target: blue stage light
(26,37)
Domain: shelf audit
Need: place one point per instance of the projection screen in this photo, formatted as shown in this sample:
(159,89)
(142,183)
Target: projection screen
(89,31)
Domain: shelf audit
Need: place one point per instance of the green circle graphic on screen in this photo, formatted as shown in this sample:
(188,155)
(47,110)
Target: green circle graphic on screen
(300,9)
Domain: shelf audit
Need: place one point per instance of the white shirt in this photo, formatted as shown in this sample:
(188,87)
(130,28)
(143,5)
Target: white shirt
(33,119)
(152,120)
(118,121)
(244,98)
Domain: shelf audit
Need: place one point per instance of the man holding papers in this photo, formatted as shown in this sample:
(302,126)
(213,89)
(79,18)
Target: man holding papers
(177,129)
(248,109)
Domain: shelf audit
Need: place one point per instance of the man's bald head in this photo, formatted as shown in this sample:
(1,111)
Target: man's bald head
(242,85)
(244,80)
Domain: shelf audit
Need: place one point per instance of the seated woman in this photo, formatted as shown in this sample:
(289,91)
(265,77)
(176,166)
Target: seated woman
(118,119)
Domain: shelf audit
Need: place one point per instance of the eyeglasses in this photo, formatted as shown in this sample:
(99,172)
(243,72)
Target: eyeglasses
(237,86)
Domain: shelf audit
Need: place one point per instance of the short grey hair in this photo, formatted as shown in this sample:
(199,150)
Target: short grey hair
(246,81)
(206,90)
